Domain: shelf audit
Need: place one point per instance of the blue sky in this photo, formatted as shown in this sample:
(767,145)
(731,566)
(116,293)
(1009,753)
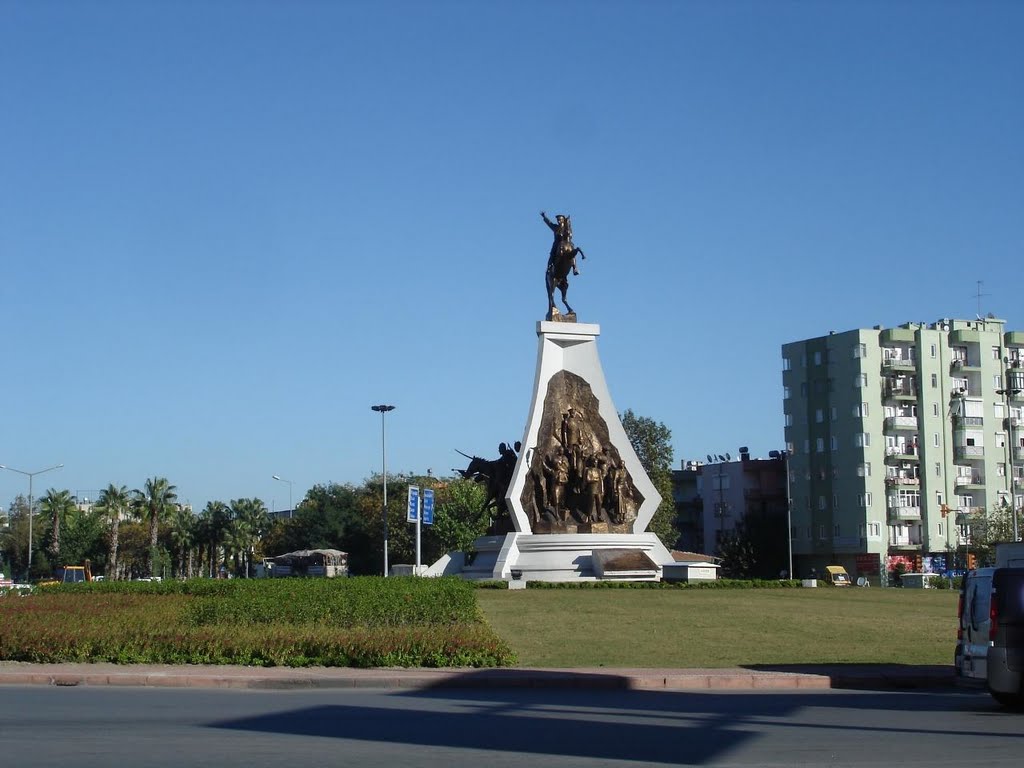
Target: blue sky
(228,228)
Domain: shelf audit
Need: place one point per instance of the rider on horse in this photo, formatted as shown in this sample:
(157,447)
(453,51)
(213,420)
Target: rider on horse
(562,229)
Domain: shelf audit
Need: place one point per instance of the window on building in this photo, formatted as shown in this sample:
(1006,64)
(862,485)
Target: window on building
(817,358)
(822,506)
(803,388)
(837,530)
(786,364)
(835,502)
(819,444)
(819,416)
(935,409)
(789,419)
(834,413)
(860,350)
(864,470)
(834,443)
(807,445)
(939,527)
(785,393)
(934,350)
(995,353)
(935,379)
(860,411)
(821,532)
(1001,470)
(935,439)
(861,380)
(862,439)
(864,499)
(938,469)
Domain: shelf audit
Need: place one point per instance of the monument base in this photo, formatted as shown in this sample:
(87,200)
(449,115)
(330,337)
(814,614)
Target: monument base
(559,557)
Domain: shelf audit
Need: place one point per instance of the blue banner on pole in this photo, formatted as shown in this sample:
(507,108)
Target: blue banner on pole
(428,506)
(412,510)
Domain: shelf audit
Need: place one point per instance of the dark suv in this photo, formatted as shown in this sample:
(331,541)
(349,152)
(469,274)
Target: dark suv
(990,638)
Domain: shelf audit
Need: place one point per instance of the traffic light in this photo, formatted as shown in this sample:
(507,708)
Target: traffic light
(972,561)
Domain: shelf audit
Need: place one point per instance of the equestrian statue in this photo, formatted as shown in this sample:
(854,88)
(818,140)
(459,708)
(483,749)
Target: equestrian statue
(561,260)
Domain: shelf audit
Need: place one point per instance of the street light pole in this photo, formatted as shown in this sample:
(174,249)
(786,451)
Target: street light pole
(1007,393)
(383,409)
(30,475)
(291,509)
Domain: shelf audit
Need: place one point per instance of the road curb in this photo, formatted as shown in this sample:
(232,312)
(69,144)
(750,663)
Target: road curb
(276,678)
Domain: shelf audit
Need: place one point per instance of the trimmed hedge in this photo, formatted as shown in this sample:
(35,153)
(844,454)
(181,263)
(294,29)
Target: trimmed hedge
(367,601)
(366,622)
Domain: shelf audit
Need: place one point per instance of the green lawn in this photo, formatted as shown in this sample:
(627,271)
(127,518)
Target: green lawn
(723,628)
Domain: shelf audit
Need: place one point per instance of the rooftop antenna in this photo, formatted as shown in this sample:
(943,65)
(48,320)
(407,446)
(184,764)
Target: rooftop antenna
(978,296)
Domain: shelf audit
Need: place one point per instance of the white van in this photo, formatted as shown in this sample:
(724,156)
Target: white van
(990,636)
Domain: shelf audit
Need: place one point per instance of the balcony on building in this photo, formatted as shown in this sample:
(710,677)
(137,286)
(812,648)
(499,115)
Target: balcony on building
(893,423)
(1013,422)
(969,452)
(898,514)
(962,422)
(904,543)
(973,481)
(901,390)
(898,364)
(903,481)
(904,452)
(1018,453)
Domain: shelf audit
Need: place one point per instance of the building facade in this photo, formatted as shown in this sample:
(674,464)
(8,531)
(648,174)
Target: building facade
(895,435)
(713,498)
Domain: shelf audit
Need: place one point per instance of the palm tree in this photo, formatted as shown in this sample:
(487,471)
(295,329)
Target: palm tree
(213,522)
(57,504)
(253,521)
(113,504)
(153,503)
(183,534)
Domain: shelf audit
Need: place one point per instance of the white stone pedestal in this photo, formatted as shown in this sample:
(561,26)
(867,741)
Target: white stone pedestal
(570,348)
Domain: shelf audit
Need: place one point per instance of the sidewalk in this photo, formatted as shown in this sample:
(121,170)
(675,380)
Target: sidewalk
(870,677)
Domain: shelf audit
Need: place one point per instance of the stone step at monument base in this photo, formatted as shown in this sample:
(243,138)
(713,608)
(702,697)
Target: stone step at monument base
(559,557)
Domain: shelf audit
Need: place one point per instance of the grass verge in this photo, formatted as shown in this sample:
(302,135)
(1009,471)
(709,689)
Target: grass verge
(723,628)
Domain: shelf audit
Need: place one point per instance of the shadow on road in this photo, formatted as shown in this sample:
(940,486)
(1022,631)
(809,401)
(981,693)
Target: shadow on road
(599,718)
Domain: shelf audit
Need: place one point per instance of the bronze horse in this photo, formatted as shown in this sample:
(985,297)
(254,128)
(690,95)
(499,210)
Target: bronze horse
(561,261)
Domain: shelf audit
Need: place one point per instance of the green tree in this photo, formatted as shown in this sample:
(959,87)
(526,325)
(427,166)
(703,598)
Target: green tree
(114,504)
(58,505)
(989,528)
(153,503)
(14,536)
(182,525)
(457,520)
(252,521)
(214,522)
(652,442)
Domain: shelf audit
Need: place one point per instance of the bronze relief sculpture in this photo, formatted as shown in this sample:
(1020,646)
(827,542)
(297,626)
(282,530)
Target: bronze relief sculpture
(577,481)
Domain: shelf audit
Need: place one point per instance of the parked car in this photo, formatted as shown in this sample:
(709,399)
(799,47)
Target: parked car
(990,636)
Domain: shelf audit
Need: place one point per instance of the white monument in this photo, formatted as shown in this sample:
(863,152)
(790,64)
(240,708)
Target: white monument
(580,501)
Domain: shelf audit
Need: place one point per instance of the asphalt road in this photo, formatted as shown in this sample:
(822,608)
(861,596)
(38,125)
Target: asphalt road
(135,727)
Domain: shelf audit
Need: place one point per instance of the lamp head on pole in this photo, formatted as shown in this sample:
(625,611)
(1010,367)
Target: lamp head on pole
(382,408)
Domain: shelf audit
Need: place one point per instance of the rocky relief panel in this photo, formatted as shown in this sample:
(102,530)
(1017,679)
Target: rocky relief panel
(577,482)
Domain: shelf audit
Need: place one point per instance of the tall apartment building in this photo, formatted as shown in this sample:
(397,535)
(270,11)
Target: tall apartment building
(893,435)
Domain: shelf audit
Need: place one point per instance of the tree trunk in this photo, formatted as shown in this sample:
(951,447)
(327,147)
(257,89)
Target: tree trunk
(112,553)
(154,527)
